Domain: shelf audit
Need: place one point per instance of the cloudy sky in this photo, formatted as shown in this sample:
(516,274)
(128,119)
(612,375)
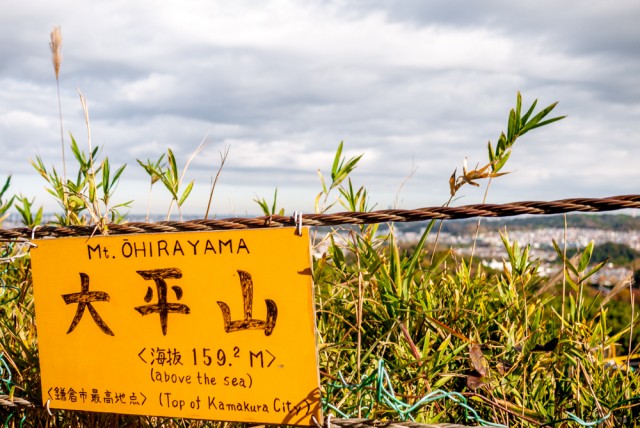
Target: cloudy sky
(415,86)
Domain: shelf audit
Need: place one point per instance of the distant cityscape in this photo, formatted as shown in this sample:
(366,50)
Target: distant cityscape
(490,248)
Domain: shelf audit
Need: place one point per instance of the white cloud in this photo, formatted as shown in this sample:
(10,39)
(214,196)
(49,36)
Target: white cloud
(22,119)
(155,88)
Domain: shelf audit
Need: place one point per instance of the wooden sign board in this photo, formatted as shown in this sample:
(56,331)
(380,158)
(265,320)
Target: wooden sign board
(215,325)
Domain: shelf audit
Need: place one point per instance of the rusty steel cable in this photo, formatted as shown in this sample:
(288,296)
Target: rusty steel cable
(342,218)
(12,401)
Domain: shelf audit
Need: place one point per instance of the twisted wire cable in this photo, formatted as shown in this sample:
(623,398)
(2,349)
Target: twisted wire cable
(342,218)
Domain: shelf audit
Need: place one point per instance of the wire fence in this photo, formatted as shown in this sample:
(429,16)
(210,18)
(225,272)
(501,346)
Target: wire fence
(562,206)
(376,387)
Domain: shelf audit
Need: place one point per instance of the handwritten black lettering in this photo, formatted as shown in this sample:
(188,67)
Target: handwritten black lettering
(242,246)
(140,248)
(177,248)
(249,323)
(243,406)
(204,379)
(162,306)
(166,377)
(194,245)
(209,247)
(84,299)
(91,250)
(225,244)
(127,249)
(162,247)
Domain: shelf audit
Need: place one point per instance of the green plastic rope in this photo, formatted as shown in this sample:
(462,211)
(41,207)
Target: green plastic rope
(380,382)
(22,420)
(5,373)
(6,258)
(585,423)
(386,395)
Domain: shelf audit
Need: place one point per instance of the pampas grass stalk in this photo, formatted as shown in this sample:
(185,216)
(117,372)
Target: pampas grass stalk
(56,58)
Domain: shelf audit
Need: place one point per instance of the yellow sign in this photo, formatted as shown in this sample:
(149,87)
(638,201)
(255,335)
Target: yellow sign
(215,325)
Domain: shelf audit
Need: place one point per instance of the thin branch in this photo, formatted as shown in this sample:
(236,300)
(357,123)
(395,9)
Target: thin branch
(223,159)
(95,212)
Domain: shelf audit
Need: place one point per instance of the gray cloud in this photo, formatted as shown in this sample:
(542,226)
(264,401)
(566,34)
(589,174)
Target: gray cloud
(411,84)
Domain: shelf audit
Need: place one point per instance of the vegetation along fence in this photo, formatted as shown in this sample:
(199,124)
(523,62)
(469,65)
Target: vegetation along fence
(484,334)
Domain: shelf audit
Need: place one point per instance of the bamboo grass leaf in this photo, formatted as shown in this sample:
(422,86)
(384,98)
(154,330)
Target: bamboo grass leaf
(526,116)
(595,269)
(546,122)
(336,161)
(116,176)
(518,118)
(512,127)
(186,193)
(586,257)
(534,121)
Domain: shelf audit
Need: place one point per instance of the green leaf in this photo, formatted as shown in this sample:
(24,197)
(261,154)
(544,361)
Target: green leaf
(173,169)
(147,167)
(4,207)
(534,122)
(105,176)
(518,110)
(503,160)
(546,122)
(567,262)
(511,128)
(117,175)
(154,170)
(445,343)
(262,203)
(6,186)
(586,257)
(38,218)
(502,144)
(525,118)
(94,153)
(417,251)
(344,171)
(571,282)
(491,156)
(185,194)
(76,151)
(275,198)
(595,269)
(172,186)
(75,202)
(322,182)
(336,161)
(317,202)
